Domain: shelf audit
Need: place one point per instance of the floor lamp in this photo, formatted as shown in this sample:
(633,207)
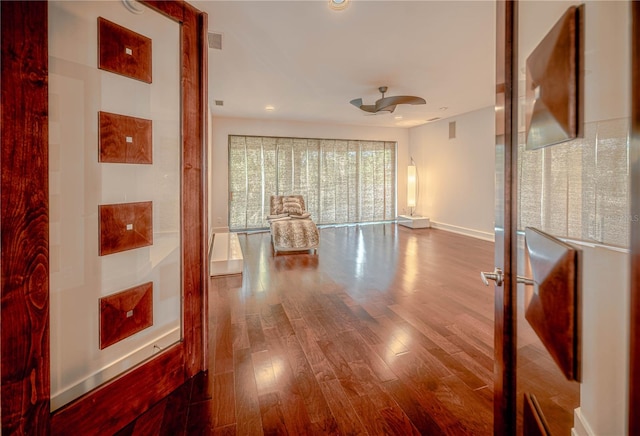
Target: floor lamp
(411,187)
(411,220)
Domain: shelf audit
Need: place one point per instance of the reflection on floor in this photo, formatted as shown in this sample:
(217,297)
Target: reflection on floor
(387,330)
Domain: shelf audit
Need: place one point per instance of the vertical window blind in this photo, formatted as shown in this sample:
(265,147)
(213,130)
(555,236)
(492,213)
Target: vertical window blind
(342,181)
(579,189)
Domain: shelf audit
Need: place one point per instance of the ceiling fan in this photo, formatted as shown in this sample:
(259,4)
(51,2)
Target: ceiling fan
(386,104)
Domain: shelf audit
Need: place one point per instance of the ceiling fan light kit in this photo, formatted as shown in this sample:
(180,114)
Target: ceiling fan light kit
(386,104)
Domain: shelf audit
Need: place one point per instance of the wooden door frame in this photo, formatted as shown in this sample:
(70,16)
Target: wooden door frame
(24,265)
(504,396)
(634,330)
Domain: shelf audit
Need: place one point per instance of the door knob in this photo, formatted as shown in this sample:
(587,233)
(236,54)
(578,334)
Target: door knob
(496,276)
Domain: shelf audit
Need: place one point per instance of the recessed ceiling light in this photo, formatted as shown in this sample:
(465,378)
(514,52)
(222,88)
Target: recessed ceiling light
(398,117)
(444,108)
(338,5)
(134,6)
(269,108)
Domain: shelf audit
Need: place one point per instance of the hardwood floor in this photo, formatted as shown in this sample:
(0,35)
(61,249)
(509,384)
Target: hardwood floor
(387,330)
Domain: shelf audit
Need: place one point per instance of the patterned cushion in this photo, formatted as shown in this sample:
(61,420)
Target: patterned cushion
(276,205)
(293,235)
(280,215)
(303,216)
(291,205)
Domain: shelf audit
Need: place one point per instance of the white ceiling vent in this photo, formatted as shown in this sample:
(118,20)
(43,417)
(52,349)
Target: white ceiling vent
(215,40)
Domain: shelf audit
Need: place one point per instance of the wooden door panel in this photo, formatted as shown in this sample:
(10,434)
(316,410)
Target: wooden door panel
(552,307)
(25,375)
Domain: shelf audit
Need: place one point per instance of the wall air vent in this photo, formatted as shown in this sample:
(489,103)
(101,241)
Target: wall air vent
(219,103)
(452,130)
(215,40)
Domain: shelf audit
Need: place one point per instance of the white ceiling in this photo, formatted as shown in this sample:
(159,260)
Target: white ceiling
(309,61)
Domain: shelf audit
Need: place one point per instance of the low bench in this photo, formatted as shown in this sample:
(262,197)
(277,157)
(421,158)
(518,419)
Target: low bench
(226,255)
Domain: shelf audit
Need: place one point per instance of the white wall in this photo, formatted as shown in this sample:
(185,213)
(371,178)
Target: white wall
(456,176)
(223,127)
(605,329)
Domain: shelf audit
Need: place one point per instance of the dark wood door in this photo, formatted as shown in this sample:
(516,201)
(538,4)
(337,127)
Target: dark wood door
(505,215)
(532,394)
(24,169)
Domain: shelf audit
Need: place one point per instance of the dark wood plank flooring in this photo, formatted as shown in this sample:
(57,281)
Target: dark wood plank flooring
(387,330)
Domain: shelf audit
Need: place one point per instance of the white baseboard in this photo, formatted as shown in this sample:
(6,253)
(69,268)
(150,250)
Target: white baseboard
(464,231)
(580,425)
(219,230)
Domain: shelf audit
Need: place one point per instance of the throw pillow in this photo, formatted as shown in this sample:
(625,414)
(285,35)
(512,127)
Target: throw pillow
(291,205)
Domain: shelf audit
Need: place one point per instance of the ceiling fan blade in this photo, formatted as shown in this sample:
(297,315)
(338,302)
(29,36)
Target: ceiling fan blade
(357,102)
(386,102)
(388,108)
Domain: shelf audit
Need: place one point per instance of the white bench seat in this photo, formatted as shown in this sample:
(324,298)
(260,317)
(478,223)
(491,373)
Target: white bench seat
(226,255)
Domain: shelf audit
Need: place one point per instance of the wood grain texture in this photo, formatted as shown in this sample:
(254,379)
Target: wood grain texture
(403,347)
(505,304)
(125,313)
(124,139)
(123,51)
(122,400)
(194,185)
(553,305)
(125,226)
(634,345)
(101,411)
(24,325)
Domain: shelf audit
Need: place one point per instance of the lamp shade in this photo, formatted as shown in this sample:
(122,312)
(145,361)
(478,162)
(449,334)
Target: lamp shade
(411,186)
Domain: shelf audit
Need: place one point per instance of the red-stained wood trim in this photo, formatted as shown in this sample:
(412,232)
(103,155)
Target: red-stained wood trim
(123,51)
(194,97)
(116,403)
(125,313)
(634,346)
(124,139)
(170,8)
(204,249)
(504,398)
(24,321)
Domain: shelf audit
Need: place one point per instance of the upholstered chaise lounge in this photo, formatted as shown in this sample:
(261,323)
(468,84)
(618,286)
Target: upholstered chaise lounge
(291,226)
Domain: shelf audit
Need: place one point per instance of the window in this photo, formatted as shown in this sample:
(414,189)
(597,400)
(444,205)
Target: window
(342,181)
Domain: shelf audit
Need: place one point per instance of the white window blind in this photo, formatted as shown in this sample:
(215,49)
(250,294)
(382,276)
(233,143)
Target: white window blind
(579,189)
(342,181)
